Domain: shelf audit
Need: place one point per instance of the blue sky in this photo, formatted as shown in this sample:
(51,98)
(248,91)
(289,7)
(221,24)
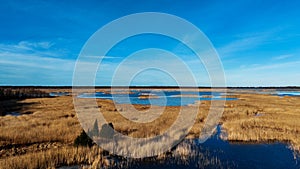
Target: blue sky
(258,41)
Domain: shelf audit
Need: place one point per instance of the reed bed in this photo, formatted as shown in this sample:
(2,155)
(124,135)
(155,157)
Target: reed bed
(263,119)
(52,120)
(53,158)
(53,123)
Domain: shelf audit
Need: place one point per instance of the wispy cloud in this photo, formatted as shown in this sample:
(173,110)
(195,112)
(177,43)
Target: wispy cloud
(35,45)
(32,54)
(240,45)
(281,57)
(274,66)
(40,48)
(276,74)
(33,63)
(26,46)
(29,63)
(97,58)
(246,41)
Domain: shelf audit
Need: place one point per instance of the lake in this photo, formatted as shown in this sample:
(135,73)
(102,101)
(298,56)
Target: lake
(157,97)
(288,93)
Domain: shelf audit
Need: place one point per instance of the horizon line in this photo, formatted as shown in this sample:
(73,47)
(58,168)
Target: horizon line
(144,86)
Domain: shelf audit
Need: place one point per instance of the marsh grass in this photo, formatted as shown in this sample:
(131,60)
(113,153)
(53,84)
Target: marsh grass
(53,158)
(53,120)
(185,154)
(264,119)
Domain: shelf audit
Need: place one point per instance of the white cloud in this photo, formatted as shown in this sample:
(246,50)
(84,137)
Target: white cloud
(33,45)
(25,46)
(34,61)
(26,63)
(247,41)
(275,74)
(103,57)
(240,45)
(274,66)
(281,57)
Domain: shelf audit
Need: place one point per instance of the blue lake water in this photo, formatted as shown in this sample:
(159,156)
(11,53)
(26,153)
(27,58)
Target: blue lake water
(13,113)
(159,98)
(227,155)
(217,153)
(55,94)
(275,92)
(253,155)
(288,93)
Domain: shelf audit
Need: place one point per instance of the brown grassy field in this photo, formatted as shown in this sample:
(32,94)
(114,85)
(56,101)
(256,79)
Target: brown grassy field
(263,118)
(43,137)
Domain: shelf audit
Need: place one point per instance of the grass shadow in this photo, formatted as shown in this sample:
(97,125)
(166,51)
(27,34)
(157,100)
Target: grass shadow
(14,105)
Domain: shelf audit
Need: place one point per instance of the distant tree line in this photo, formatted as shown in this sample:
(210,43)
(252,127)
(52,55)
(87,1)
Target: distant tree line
(21,93)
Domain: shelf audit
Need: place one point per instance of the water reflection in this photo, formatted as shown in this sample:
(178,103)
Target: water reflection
(56,94)
(216,153)
(159,98)
(288,93)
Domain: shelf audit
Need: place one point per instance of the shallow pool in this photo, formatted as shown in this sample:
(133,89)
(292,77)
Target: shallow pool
(288,93)
(159,98)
